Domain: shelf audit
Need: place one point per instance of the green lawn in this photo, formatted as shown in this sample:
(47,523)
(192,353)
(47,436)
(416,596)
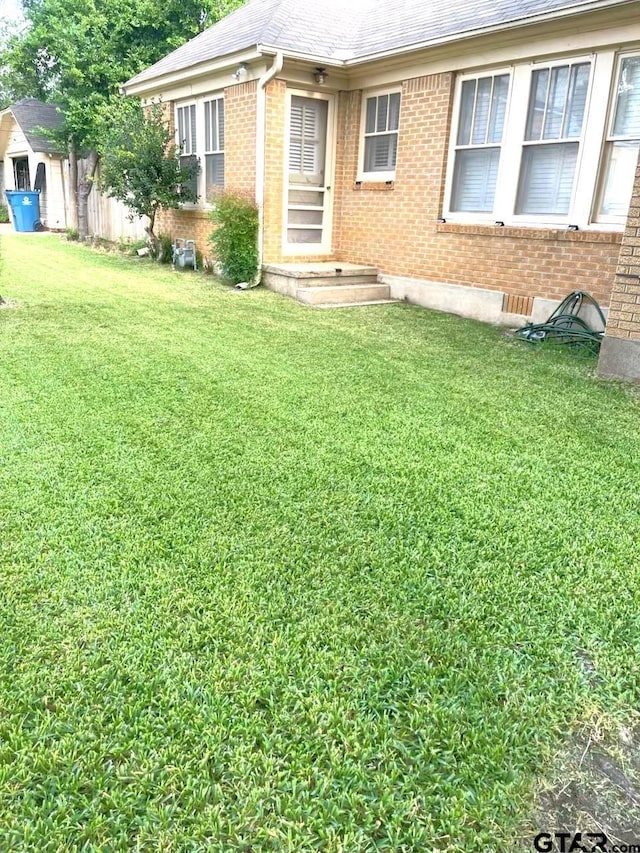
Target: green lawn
(283,579)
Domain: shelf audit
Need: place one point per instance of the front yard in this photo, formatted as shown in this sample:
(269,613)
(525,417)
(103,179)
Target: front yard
(277,579)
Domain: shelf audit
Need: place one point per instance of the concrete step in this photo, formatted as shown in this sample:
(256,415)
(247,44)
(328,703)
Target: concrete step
(337,280)
(343,294)
(325,269)
(354,304)
(289,278)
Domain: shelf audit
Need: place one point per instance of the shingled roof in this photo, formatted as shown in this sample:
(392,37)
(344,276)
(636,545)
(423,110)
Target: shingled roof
(352,30)
(32,116)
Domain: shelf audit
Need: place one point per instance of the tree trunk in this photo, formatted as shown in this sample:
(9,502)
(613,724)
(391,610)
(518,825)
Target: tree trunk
(154,243)
(86,173)
(73,187)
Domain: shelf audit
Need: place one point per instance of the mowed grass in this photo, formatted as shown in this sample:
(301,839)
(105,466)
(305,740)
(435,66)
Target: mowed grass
(280,579)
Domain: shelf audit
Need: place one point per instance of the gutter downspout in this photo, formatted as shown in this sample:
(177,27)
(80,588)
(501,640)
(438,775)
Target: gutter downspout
(261,115)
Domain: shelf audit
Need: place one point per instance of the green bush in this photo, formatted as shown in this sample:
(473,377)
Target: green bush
(4,214)
(165,249)
(235,239)
(127,246)
(71,234)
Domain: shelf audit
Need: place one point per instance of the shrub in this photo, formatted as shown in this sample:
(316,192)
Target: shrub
(127,246)
(140,163)
(165,249)
(235,239)
(102,243)
(4,214)
(71,234)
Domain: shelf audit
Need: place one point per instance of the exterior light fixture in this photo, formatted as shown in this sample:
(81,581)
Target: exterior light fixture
(241,72)
(320,76)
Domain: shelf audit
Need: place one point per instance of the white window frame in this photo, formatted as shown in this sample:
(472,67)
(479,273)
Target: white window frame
(189,150)
(207,150)
(380,177)
(199,150)
(610,137)
(590,152)
(454,147)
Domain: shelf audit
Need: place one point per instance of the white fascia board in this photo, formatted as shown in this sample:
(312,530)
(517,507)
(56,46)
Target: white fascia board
(316,59)
(153,85)
(580,8)
(492,52)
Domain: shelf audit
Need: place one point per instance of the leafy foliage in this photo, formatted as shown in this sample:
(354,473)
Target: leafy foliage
(164,248)
(78,53)
(235,238)
(140,164)
(4,214)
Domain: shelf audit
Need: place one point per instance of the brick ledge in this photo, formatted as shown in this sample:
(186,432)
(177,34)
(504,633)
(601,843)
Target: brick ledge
(374,186)
(521,232)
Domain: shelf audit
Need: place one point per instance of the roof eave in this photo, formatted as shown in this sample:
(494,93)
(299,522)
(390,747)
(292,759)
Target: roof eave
(579,8)
(290,53)
(151,85)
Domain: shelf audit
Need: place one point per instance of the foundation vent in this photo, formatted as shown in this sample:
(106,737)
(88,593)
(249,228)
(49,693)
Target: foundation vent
(512,304)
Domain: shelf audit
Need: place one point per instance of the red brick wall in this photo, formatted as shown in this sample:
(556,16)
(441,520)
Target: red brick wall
(395,227)
(275,187)
(275,135)
(190,224)
(624,313)
(526,261)
(240,169)
(392,226)
(240,138)
(239,166)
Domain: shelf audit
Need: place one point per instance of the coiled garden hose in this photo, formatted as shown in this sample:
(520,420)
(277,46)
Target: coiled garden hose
(565,326)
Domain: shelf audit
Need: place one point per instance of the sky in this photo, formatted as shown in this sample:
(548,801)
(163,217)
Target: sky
(10,11)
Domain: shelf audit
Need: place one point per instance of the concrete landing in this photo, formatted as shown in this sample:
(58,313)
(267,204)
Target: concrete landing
(327,284)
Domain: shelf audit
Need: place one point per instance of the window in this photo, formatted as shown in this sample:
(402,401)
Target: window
(21,176)
(214,144)
(187,137)
(546,143)
(188,141)
(552,139)
(307,140)
(200,136)
(381,125)
(623,143)
(483,104)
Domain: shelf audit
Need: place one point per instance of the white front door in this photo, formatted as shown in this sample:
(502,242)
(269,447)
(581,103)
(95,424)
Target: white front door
(309,174)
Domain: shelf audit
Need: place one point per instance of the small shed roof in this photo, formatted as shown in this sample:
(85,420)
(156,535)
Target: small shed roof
(32,117)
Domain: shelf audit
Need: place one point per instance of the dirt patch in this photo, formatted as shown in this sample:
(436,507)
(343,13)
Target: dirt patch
(594,788)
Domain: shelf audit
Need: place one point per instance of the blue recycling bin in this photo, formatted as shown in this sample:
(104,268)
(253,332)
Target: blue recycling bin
(25,208)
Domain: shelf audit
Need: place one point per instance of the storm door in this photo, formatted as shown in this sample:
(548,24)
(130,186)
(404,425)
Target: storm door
(308,204)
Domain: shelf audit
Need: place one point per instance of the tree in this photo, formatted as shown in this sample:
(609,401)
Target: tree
(78,53)
(140,164)
(11,24)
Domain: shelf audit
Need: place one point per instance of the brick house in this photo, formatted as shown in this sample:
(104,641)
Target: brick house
(474,156)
